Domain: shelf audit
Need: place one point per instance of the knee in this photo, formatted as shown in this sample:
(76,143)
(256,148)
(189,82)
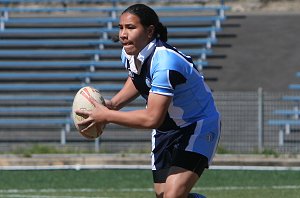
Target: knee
(159,195)
(175,193)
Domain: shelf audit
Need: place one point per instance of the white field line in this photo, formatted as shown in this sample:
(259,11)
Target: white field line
(91,190)
(260,168)
(45,196)
(75,167)
(141,167)
(232,188)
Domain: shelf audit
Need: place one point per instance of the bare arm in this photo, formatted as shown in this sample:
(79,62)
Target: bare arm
(127,94)
(150,118)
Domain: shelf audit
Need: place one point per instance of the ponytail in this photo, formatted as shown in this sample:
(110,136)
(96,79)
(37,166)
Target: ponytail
(162,32)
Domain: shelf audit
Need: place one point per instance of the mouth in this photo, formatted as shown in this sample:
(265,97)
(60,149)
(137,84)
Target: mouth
(125,44)
(129,47)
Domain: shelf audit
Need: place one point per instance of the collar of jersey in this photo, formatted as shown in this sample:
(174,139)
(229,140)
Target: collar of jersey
(141,57)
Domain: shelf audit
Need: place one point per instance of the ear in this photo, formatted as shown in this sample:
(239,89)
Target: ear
(150,31)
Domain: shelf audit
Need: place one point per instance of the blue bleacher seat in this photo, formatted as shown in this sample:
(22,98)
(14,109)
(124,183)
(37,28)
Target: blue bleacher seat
(284,122)
(99,31)
(57,87)
(173,8)
(97,42)
(56,42)
(36,122)
(57,20)
(285,127)
(68,20)
(46,31)
(287,112)
(290,116)
(37,110)
(56,76)
(294,86)
(36,97)
(291,98)
(60,64)
(64,53)
(54,52)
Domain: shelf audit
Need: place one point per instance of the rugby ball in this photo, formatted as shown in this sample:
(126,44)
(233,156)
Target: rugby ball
(82,101)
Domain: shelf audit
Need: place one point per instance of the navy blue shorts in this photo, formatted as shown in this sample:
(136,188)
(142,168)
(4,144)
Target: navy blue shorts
(191,147)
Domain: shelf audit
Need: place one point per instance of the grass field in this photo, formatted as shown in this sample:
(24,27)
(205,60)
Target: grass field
(138,184)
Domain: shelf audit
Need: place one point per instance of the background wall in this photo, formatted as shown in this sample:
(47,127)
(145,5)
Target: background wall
(262,47)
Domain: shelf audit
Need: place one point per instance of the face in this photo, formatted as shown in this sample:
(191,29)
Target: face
(132,34)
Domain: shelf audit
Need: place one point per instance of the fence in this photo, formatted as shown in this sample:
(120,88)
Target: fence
(245,127)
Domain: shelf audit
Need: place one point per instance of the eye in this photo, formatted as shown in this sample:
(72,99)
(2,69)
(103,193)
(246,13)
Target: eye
(131,27)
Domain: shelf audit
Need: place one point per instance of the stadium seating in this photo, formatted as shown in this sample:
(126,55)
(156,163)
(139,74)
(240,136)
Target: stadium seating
(289,121)
(50,50)
(291,98)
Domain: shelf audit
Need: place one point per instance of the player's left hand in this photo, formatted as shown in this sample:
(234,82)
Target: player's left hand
(97,115)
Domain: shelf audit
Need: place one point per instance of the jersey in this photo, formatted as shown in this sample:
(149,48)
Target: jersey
(167,71)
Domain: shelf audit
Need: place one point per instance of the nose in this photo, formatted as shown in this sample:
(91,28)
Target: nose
(122,34)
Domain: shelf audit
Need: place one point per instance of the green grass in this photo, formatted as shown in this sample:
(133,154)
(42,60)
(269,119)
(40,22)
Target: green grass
(138,183)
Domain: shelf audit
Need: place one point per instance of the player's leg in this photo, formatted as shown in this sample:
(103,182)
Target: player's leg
(179,182)
(191,148)
(178,179)
(159,189)
(159,178)
(191,156)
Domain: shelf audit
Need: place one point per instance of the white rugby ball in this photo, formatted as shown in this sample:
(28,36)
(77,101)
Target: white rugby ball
(82,101)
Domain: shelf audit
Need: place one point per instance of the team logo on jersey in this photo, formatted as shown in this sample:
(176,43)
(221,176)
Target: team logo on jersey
(210,137)
(148,82)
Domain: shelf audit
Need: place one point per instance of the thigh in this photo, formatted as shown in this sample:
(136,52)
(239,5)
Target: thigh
(180,182)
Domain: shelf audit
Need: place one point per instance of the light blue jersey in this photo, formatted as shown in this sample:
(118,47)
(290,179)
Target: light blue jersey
(169,72)
(166,71)
(192,99)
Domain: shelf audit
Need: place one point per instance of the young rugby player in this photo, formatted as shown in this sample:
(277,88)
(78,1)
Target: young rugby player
(180,106)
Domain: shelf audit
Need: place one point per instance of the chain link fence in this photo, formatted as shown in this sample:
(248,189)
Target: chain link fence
(245,122)
(245,129)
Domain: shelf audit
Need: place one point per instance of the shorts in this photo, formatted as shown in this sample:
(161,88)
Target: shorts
(191,147)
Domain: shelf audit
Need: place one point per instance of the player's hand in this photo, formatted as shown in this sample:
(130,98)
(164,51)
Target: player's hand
(95,116)
(108,104)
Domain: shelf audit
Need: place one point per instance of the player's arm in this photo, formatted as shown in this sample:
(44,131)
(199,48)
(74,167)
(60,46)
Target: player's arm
(151,117)
(124,96)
